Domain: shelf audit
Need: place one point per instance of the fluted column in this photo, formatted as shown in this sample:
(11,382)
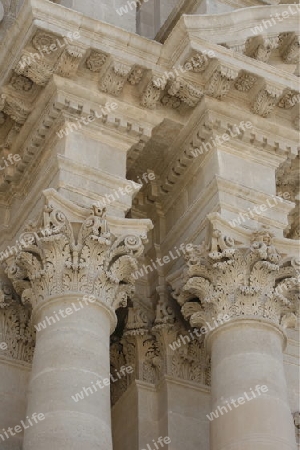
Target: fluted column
(75,275)
(252,285)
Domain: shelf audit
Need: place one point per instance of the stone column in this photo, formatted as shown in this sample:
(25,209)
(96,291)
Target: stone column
(245,299)
(75,275)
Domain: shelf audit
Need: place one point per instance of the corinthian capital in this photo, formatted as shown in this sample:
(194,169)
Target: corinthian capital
(85,257)
(16,333)
(239,280)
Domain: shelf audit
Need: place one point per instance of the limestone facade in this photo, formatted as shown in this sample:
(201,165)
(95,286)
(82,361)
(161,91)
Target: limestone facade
(149,217)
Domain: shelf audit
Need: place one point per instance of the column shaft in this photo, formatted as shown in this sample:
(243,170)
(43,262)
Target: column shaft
(247,354)
(71,355)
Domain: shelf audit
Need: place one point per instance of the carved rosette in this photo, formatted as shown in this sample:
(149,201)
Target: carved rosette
(16,331)
(239,281)
(57,260)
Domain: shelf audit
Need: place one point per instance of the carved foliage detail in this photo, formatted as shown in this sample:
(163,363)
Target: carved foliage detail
(95,263)
(221,81)
(238,281)
(15,327)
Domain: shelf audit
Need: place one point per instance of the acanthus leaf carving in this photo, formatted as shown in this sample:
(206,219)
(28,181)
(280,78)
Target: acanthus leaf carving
(220,82)
(238,281)
(96,262)
(113,77)
(266,100)
(186,92)
(69,61)
(15,326)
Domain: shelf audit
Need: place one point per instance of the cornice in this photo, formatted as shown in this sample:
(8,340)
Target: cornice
(212,119)
(237,24)
(122,65)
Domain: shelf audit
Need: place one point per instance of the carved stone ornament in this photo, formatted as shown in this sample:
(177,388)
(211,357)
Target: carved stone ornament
(198,62)
(266,100)
(220,82)
(136,75)
(289,44)
(16,330)
(239,281)
(92,261)
(186,92)
(114,77)
(289,99)
(69,61)
(15,108)
(95,61)
(152,93)
(245,82)
(261,49)
(39,71)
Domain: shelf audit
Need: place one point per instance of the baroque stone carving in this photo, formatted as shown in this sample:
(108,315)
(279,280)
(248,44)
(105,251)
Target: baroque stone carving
(266,100)
(15,108)
(42,39)
(69,61)
(259,48)
(113,77)
(190,362)
(39,71)
(186,92)
(136,75)
(152,93)
(245,82)
(289,44)
(289,99)
(95,61)
(220,82)
(21,83)
(239,281)
(198,62)
(96,262)
(15,326)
